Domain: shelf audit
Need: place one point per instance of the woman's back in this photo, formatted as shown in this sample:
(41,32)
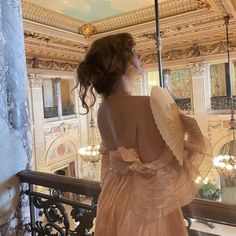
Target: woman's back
(143,186)
(127,121)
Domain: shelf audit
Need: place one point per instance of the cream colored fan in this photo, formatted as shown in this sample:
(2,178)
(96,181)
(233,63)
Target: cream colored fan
(166,114)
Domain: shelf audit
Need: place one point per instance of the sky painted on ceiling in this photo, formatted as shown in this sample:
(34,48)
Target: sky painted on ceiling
(93,10)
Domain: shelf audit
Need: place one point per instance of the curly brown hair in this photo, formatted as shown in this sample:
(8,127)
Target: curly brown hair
(104,64)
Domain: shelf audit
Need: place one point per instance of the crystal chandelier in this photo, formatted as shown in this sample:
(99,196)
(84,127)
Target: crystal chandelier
(225,162)
(91,152)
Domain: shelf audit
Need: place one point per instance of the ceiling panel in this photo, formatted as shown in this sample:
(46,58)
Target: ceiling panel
(93,10)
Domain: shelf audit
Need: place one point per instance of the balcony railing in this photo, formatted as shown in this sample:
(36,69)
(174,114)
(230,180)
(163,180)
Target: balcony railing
(68,110)
(50,112)
(54,214)
(184,103)
(210,212)
(222,103)
(74,215)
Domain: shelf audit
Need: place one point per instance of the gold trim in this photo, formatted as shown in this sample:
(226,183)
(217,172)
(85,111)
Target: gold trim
(34,63)
(87,30)
(48,17)
(167,9)
(191,52)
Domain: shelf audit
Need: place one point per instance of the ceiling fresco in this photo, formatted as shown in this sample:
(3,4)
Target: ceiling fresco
(93,10)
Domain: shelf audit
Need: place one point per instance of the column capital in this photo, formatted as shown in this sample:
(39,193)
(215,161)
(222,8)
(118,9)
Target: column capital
(57,80)
(35,80)
(198,68)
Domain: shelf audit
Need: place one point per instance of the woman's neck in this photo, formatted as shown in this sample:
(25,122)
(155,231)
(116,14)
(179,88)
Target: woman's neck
(124,86)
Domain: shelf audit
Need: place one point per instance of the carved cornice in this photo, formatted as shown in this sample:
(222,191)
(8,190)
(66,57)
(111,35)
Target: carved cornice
(54,47)
(51,39)
(48,17)
(230,5)
(50,65)
(189,27)
(50,47)
(167,9)
(218,6)
(191,52)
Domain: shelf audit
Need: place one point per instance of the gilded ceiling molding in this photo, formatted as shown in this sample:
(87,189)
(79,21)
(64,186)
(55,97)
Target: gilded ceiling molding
(50,65)
(54,47)
(167,9)
(87,30)
(52,39)
(191,52)
(185,28)
(217,5)
(230,5)
(48,17)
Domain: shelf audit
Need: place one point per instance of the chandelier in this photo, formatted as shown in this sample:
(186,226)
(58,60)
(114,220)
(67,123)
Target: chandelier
(225,162)
(91,152)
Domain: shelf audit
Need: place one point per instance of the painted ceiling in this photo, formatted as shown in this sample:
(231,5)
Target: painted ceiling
(93,10)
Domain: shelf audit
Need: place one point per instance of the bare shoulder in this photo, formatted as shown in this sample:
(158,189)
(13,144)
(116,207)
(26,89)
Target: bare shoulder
(141,106)
(140,101)
(128,105)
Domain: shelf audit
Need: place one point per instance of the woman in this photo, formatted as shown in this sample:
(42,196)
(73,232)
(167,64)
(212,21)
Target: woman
(143,187)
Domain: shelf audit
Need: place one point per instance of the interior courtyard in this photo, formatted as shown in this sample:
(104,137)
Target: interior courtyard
(47,139)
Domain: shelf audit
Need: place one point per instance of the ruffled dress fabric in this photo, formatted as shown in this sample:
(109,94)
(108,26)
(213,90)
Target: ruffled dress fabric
(145,199)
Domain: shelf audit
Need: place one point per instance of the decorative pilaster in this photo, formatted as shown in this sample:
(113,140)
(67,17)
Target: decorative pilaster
(201,92)
(37,119)
(15,139)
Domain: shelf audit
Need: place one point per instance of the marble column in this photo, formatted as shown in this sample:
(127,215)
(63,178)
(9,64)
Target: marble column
(83,134)
(201,93)
(15,144)
(58,95)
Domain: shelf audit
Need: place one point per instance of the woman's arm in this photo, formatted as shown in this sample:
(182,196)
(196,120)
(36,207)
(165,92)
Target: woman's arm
(194,141)
(192,148)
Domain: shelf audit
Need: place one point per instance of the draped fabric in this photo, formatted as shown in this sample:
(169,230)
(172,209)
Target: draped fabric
(145,199)
(142,199)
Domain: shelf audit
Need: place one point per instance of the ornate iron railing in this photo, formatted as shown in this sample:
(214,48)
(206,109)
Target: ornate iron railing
(184,103)
(50,112)
(50,214)
(53,214)
(68,110)
(222,103)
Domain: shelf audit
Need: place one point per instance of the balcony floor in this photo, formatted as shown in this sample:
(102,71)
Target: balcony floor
(199,228)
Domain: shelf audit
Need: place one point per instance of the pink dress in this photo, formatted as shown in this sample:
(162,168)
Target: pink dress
(143,199)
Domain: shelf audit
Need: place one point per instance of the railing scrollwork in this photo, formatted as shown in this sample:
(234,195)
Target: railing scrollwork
(222,103)
(60,214)
(54,215)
